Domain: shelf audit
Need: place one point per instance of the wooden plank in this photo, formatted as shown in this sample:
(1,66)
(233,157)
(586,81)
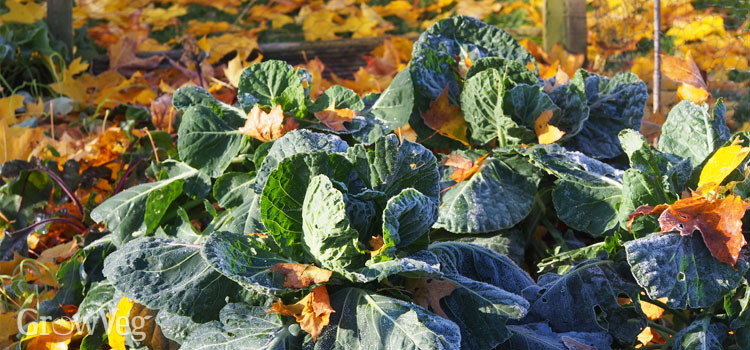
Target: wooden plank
(565,24)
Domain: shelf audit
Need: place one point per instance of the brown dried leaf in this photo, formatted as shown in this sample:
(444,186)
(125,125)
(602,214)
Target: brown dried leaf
(335,118)
(446,119)
(163,113)
(301,275)
(264,126)
(427,293)
(719,221)
(683,71)
(645,210)
(312,313)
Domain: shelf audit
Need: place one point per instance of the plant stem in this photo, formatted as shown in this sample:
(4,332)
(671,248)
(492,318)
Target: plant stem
(661,328)
(64,187)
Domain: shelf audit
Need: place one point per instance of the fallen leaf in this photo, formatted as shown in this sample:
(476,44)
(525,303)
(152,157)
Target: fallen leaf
(427,293)
(313,312)
(22,12)
(264,126)
(55,335)
(720,165)
(59,253)
(573,344)
(686,72)
(163,113)
(122,56)
(463,168)
(446,119)
(301,275)
(8,106)
(118,324)
(652,311)
(233,71)
(561,79)
(546,133)
(8,329)
(377,244)
(335,118)
(718,220)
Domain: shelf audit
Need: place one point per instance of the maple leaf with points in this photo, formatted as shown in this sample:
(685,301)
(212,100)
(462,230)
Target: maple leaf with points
(718,220)
(335,118)
(264,126)
(313,312)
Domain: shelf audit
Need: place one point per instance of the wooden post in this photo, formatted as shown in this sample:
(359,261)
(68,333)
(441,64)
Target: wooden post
(60,22)
(565,23)
(657,56)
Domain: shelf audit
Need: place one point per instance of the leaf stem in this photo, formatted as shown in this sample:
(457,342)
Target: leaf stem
(661,328)
(65,189)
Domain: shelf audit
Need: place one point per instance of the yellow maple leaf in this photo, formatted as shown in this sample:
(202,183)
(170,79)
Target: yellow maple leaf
(335,118)
(160,18)
(692,93)
(320,25)
(8,106)
(118,324)
(233,71)
(67,84)
(720,165)
(8,328)
(446,119)
(26,12)
(219,46)
(17,142)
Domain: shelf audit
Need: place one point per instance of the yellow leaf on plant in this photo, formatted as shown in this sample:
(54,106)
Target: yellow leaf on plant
(118,324)
(545,132)
(694,94)
(463,168)
(55,335)
(720,165)
(264,126)
(22,12)
(446,119)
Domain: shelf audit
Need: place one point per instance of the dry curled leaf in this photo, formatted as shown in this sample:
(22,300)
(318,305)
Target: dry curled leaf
(446,119)
(463,168)
(301,275)
(427,293)
(313,312)
(694,87)
(264,126)
(718,220)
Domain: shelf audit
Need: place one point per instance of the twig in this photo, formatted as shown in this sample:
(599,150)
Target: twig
(52,117)
(127,173)
(657,56)
(153,145)
(64,187)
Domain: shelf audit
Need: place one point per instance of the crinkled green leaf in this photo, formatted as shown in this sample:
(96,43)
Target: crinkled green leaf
(433,65)
(690,131)
(281,204)
(271,83)
(585,300)
(245,260)
(294,142)
(614,104)
(232,189)
(514,72)
(482,106)
(206,142)
(495,198)
(188,96)
(406,218)
(421,264)
(175,327)
(364,320)
(243,327)
(340,97)
(488,295)
(165,274)
(390,166)
(702,334)
(525,103)
(395,104)
(96,303)
(681,269)
(328,234)
(124,212)
(539,336)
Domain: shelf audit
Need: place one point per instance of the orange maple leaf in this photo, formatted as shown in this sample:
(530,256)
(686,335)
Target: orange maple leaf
(264,126)
(446,119)
(301,275)
(313,312)
(718,220)
(694,87)
(335,118)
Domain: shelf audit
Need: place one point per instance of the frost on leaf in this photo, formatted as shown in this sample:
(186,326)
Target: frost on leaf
(301,275)
(313,312)
(718,220)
